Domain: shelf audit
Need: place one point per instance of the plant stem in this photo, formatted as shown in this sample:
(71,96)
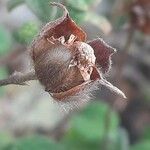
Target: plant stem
(18,78)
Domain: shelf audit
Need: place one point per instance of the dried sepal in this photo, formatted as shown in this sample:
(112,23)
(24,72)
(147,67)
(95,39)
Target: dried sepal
(112,87)
(63,26)
(103,53)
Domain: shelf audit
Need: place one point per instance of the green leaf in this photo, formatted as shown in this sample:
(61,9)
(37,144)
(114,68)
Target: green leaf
(41,9)
(5,141)
(81,5)
(77,15)
(5,41)
(26,33)
(3,75)
(123,140)
(11,4)
(36,143)
(88,128)
(143,145)
(146,134)
(117,141)
(120,21)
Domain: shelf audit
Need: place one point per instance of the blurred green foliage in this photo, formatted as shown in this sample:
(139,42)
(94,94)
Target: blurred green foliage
(35,143)
(5,141)
(81,5)
(146,134)
(77,15)
(90,124)
(88,129)
(40,8)
(26,32)
(14,3)
(143,145)
(3,74)
(5,44)
(78,10)
(93,129)
(5,40)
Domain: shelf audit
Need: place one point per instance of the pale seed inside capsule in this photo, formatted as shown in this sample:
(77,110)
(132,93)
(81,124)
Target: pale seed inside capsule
(84,60)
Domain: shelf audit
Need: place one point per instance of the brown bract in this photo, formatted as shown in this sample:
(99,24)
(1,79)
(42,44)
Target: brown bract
(65,64)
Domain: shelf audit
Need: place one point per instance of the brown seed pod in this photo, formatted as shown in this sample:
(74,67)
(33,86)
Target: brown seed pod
(65,64)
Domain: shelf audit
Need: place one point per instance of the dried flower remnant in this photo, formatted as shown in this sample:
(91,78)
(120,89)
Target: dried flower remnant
(67,66)
(140,15)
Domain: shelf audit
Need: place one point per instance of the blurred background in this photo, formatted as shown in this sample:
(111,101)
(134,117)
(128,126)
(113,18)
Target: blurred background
(30,119)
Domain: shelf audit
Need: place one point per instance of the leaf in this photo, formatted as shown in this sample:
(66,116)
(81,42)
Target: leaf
(3,74)
(143,145)
(11,4)
(41,9)
(99,21)
(77,15)
(36,143)
(146,134)
(5,141)
(120,21)
(26,33)
(88,127)
(81,5)
(116,141)
(5,41)
(121,140)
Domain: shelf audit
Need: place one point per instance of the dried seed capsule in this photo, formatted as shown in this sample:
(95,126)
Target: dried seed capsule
(64,64)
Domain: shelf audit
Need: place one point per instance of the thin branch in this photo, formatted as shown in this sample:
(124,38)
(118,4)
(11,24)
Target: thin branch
(18,78)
